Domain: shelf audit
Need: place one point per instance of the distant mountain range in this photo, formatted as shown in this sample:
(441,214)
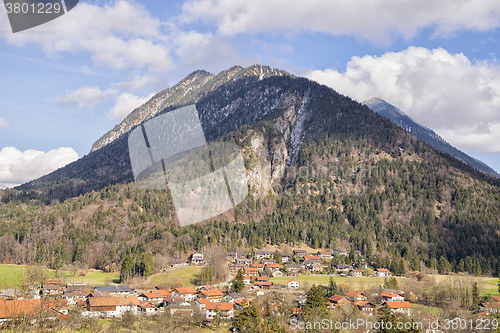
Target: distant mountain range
(425,134)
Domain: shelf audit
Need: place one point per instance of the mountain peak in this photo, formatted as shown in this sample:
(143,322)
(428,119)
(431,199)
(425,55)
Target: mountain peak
(187,91)
(425,134)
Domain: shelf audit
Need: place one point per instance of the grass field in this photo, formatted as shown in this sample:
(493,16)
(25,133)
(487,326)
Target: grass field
(183,276)
(12,275)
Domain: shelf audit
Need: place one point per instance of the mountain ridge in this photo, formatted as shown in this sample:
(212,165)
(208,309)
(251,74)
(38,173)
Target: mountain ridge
(425,134)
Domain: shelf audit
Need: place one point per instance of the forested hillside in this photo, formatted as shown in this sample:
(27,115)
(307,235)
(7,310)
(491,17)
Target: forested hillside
(322,169)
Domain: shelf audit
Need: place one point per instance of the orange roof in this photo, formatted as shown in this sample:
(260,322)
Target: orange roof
(291,281)
(496,298)
(273,265)
(312,257)
(188,290)
(18,307)
(113,300)
(296,310)
(145,305)
(247,277)
(398,305)
(251,269)
(203,301)
(361,303)
(383,270)
(389,294)
(262,278)
(257,265)
(211,292)
(336,298)
(220,306)
(353,293)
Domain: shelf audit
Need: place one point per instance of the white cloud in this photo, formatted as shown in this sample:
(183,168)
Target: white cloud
(118,36)
(144,82)
(3,123)
(126,103)
(84,98)
(456,97)
(17,167)
(378,20)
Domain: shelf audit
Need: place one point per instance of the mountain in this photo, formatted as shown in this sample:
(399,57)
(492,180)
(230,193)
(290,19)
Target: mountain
(322,169)
(425,134)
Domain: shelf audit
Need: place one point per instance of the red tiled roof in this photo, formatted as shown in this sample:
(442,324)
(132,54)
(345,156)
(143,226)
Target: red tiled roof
(291,281)
(220,306)
(336,298)
(398,305)
(188,290)
(312,258)
(353,293)
(262,278)
(389,294)
(17,308)
(113,301)
(385,270)
(211,292)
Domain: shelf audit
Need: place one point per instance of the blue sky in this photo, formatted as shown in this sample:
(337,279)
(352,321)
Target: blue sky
(67,82)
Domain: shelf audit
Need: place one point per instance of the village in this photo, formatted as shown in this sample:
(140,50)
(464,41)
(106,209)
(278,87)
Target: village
(58,300)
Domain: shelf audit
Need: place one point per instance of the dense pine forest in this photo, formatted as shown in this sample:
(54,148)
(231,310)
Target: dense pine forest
(355,180)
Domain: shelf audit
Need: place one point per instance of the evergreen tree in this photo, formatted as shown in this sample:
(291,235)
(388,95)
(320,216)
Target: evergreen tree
(238,284)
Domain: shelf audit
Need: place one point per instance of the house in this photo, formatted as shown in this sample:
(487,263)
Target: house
(293,284)
(285,258)
(156,296)
(224,310)
(356,273)
(236,255)
(342,269)
(252,271)
(246,279)
(175,301)
(355,296)
(264,285)
(112,306)
(299,253)
(146,308)
(262,279)
(294,268)
(301,300)
(76,287)
(244,261)
(340,252)
(197,258)
(180,310)
(316,267)
(16,308)
(120,290)
(324,254)
(213,295)
(268,262)
(382,272)
(52,289)
(232,297)
(312,258)
(241,303)
(188,294)
(490,308)
(400,307)
(338,300)
(262,254)
(73,296)
(259,266)
(390,296)
(366,307)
